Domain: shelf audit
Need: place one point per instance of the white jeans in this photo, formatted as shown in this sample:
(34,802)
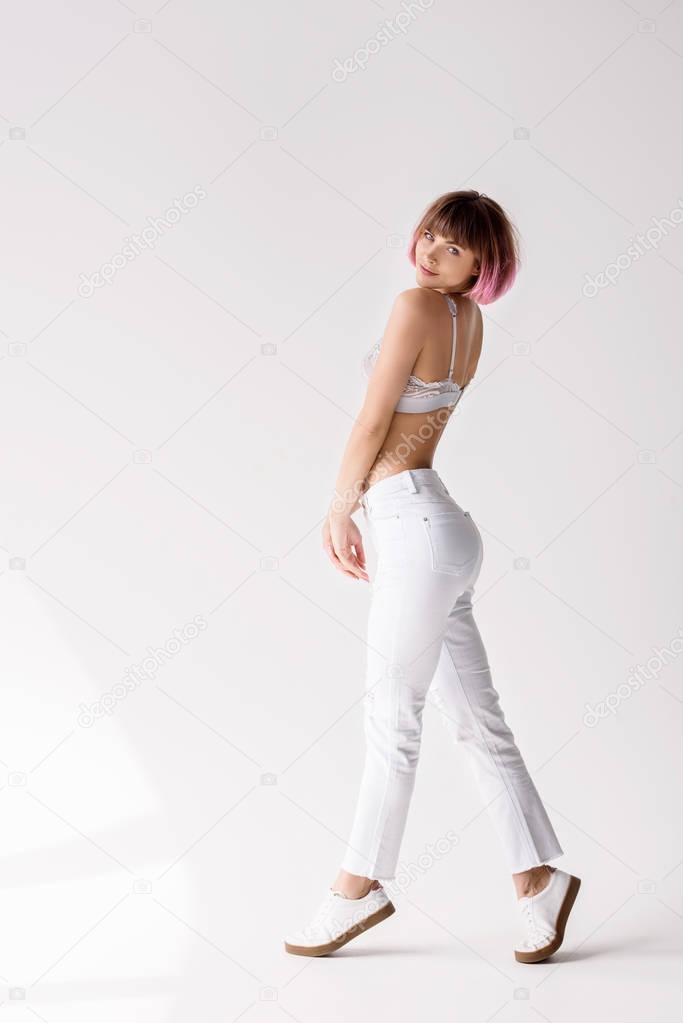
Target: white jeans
(421,633)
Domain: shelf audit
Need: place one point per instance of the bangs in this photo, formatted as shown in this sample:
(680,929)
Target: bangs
(456,225)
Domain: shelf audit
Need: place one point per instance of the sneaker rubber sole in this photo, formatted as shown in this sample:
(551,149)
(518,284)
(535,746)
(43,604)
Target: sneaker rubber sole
(353,932)
(542,953)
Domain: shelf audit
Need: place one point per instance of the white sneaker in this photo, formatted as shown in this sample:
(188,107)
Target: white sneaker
(544,917)
(337,920)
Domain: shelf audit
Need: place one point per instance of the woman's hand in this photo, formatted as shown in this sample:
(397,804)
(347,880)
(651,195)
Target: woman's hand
(344,544)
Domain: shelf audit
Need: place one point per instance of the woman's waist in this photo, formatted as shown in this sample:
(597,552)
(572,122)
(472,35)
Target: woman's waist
(407,490)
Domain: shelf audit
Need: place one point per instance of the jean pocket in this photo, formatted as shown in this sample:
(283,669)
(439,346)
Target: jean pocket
(454,542)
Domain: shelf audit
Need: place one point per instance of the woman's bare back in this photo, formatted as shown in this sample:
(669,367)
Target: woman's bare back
(412,437)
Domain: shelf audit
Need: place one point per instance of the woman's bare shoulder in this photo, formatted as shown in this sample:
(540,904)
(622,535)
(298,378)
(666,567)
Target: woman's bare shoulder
(423,301)
(416,298)
(421,304)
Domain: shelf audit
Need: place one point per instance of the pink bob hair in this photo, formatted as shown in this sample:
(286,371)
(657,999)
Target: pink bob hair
(476,222)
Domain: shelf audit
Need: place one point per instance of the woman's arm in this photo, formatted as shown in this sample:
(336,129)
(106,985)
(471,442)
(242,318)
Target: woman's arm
(402,342)
(359,455)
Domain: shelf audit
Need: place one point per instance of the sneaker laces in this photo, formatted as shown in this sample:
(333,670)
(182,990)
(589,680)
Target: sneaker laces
(536,933)
(323,910)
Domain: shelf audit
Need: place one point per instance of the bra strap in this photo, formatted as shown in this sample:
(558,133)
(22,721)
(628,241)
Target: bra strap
(453,308)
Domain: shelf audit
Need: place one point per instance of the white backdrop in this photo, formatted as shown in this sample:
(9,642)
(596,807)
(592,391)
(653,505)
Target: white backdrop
(205,211)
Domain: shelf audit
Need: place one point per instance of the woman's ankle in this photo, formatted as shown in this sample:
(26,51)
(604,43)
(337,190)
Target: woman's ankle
(533,881)
(353,886)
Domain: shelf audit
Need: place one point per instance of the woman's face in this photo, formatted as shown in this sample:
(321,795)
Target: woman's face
(452,265)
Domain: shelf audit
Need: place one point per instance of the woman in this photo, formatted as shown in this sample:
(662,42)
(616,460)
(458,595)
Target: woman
(421,631)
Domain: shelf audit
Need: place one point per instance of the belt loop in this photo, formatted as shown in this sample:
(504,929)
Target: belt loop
(442,485)
(410,482)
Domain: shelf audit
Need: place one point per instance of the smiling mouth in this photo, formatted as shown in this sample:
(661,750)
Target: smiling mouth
(427,271)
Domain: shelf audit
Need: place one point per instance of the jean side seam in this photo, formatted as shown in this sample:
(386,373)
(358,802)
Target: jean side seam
(494,759)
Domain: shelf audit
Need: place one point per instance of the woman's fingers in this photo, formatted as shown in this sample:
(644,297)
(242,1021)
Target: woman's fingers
(329,547)
(348,559)
(344,545)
